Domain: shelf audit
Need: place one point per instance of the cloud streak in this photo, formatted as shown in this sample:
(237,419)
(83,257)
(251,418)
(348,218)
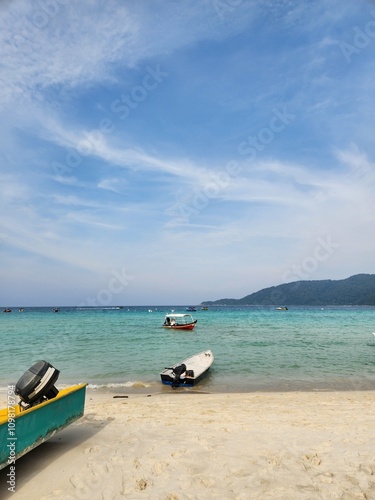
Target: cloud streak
(87,186)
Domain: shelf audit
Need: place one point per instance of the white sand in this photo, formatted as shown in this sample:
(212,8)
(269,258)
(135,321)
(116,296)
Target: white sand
(208,446)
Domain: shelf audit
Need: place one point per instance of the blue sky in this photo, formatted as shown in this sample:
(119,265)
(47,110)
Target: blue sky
(173,152)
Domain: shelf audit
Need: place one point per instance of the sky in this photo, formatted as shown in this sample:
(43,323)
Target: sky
(163,152)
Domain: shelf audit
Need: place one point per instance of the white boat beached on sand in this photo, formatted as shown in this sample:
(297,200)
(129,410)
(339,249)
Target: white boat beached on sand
(188,372)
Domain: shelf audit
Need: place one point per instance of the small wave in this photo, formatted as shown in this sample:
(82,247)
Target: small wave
(136,384)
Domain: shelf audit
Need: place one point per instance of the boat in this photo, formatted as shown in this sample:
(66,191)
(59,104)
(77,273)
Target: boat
(190,308)
(55,309)
(179,321)
(42,411)
(284,308)
(7,310)
(189,372)
(204,308)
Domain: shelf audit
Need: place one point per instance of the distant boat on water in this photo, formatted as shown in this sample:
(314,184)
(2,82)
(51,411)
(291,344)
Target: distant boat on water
(179,321)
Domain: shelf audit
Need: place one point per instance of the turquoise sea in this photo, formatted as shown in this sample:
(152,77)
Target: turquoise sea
(255,348)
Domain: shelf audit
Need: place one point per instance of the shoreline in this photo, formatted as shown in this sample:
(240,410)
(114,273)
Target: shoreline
(261,445)
(159,389)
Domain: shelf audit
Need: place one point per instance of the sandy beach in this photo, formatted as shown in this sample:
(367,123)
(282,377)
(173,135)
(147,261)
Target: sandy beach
(184,445)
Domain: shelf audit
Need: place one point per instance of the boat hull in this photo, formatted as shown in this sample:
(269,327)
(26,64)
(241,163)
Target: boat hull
(199,364)
(188,326)
(36,425)
(188,382)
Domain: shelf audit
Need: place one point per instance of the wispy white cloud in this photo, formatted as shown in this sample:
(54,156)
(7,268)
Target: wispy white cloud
(228,70)
(60,45)
(116,185)
(90,220)
(129,157)
(72,200)
(69,180)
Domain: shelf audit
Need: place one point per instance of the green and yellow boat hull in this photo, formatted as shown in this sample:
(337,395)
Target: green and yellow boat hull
(23,430)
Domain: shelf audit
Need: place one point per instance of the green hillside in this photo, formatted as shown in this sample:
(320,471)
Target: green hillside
(356,290)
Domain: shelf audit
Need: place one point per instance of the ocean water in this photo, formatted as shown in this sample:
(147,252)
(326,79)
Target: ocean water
(255,348)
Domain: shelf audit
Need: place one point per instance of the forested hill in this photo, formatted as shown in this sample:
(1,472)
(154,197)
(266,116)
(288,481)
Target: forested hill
(356,290)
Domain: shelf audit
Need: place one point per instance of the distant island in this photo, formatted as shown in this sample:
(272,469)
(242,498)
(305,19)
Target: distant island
(358,290)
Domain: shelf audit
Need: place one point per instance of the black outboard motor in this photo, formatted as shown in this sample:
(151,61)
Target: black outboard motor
(37,384)
(178,371)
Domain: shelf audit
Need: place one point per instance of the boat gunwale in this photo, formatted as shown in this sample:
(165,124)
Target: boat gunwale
(19,412)
(197,373)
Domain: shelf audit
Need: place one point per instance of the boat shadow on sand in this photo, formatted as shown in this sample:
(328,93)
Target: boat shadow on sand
(38,459)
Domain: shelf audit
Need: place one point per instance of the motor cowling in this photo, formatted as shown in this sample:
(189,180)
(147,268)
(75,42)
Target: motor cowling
(37,384)
(177,372)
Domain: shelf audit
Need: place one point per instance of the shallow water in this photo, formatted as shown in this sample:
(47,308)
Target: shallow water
(255,348)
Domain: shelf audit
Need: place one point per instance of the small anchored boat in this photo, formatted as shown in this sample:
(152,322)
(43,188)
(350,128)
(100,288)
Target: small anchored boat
(179,321)
(188,372)
(42,411)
